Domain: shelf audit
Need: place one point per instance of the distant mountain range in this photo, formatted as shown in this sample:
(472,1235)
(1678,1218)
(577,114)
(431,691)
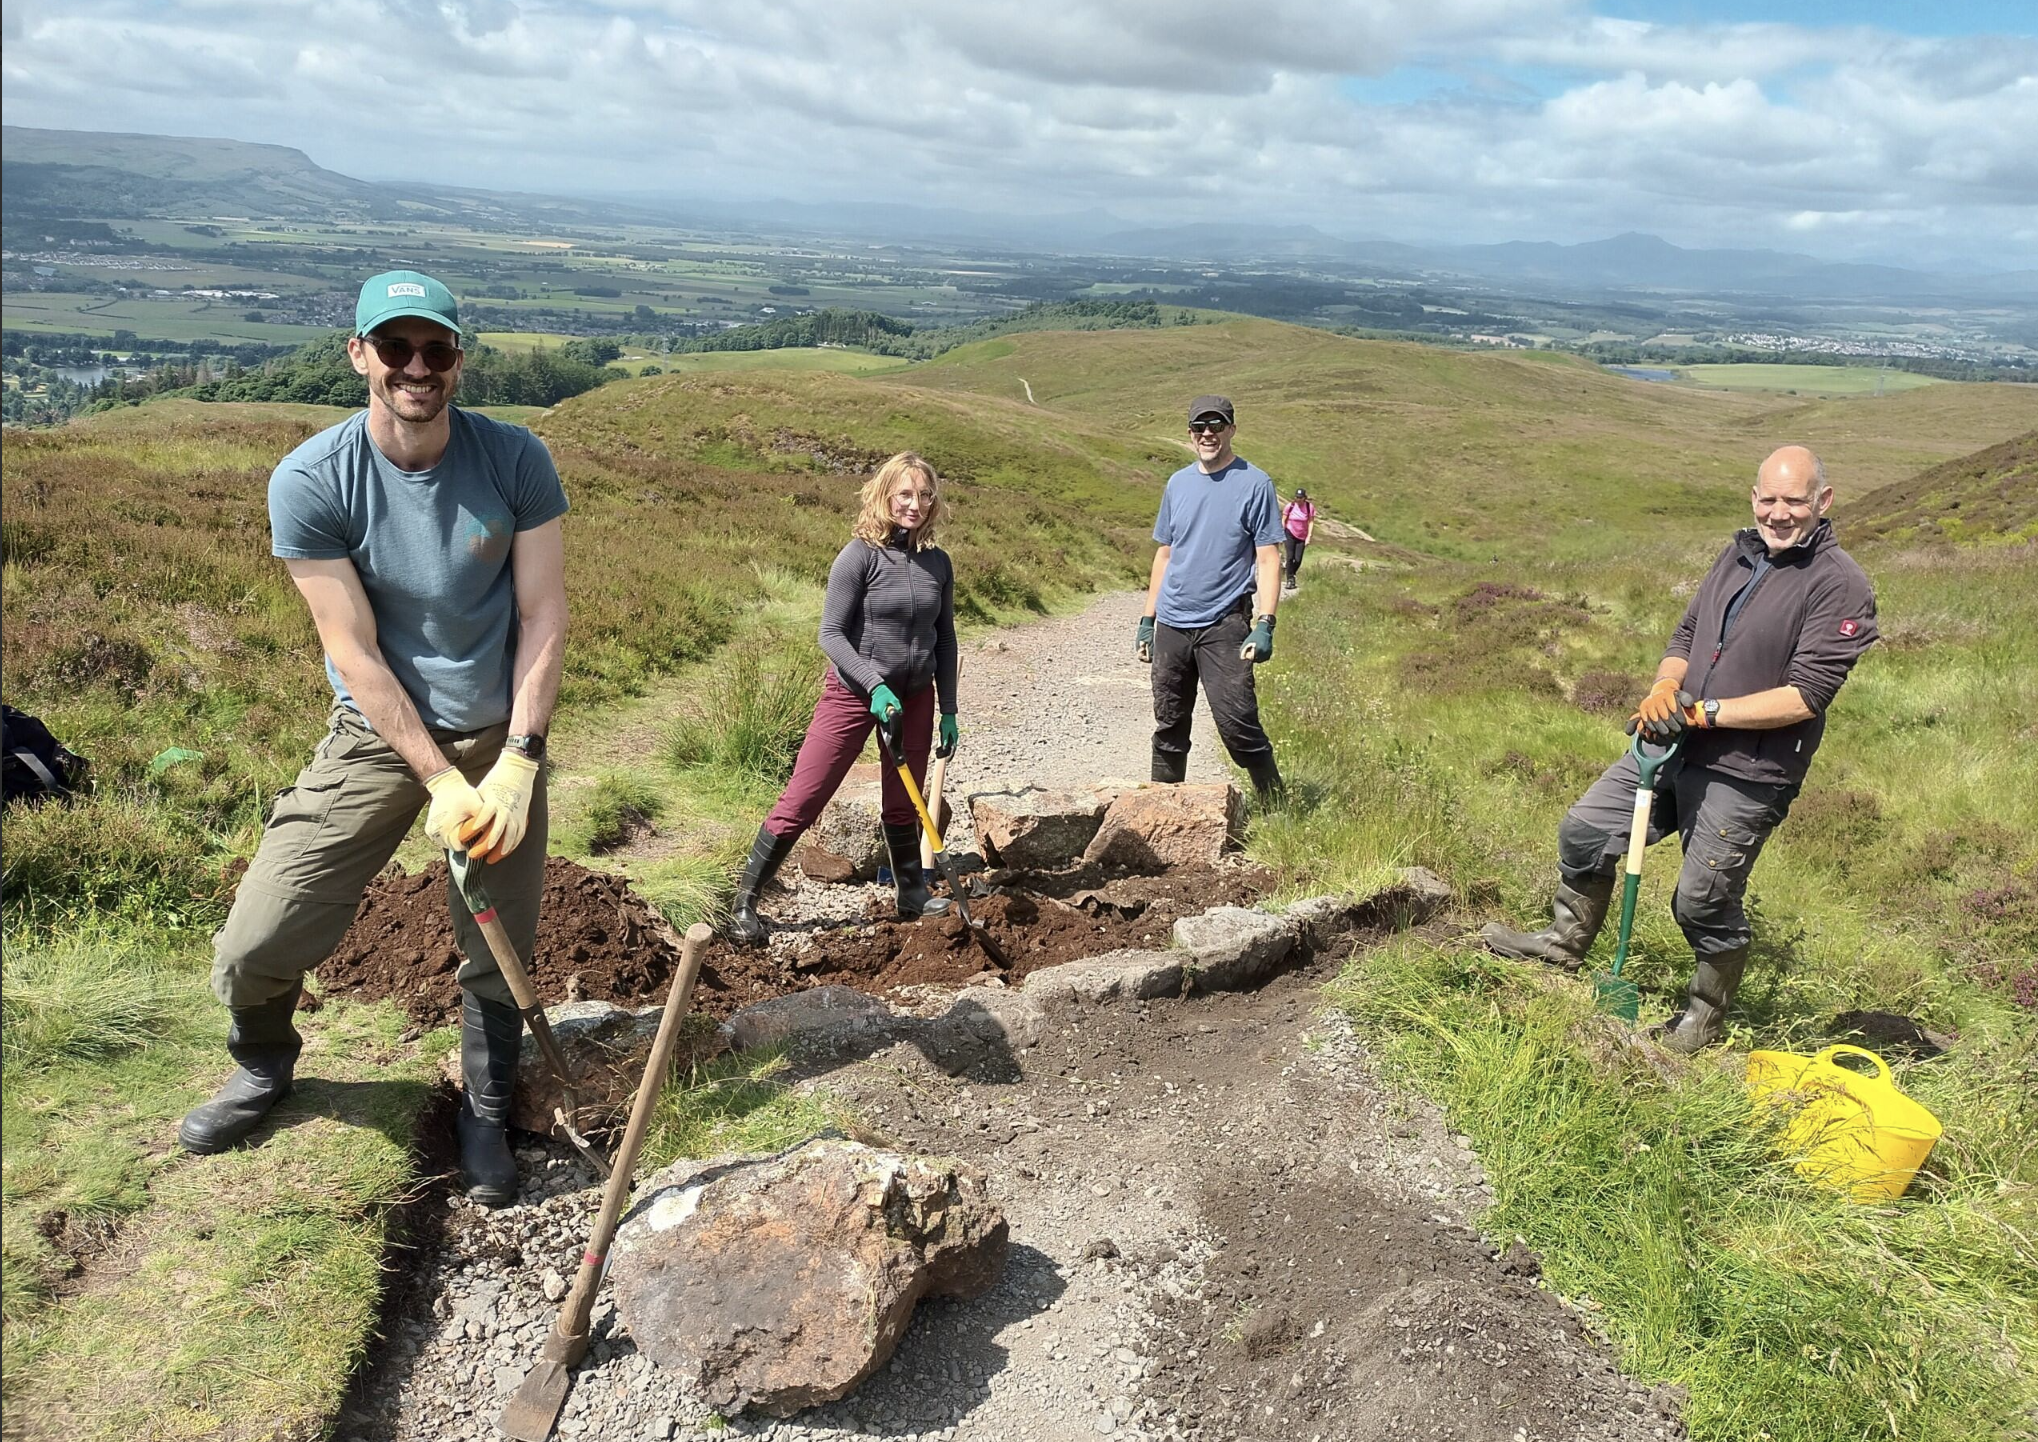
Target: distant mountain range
(71,174)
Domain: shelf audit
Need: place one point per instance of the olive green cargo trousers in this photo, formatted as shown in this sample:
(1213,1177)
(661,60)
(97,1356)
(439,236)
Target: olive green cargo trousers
(330,834)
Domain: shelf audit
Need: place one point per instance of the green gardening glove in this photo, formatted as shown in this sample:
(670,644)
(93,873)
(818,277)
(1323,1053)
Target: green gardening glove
(950,734)
(891,716)
(1142,645)
(1259,646)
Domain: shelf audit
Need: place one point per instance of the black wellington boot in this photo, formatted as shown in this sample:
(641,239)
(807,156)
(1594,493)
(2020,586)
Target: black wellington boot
(767,854)
(1266,778)
(1704,1017)
(1575,918)
(491,1035)
(915,900)
(1170,767)
(266,1045)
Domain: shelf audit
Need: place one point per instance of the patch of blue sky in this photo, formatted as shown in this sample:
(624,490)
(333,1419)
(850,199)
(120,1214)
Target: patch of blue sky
(1903,17)
(1413,84)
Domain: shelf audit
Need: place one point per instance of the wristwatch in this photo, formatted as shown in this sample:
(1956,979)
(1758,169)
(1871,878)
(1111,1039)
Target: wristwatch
(1711,708)
(532,746)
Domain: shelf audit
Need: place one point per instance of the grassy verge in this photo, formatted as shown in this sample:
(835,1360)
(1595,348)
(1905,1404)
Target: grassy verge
(1449,718)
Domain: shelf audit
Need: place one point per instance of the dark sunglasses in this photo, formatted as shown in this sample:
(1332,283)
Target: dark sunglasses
(1197,428)
(395,352)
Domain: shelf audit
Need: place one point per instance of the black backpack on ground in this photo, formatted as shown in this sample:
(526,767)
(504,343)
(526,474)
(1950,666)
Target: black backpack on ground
(34,765)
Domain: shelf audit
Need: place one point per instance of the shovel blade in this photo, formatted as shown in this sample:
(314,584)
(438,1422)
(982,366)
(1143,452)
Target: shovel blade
(534,1408)
(1616,996)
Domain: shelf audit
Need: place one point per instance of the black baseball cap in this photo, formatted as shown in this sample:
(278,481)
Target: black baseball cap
(1211,406)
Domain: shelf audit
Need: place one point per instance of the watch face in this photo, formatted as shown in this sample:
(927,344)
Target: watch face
(531,746)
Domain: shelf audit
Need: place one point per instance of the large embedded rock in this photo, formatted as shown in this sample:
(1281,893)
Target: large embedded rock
(606,1047)
(822,1018)
(847,843)
(782,1282)
(1161,826)
(1035,828)
(1128,975)
(1234,947)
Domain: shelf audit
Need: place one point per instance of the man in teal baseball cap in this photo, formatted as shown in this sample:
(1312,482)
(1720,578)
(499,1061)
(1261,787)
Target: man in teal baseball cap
(425,540)
(398,293)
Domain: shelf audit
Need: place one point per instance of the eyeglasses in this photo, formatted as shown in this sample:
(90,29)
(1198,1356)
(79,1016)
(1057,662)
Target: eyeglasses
(396,352)
(1197,428)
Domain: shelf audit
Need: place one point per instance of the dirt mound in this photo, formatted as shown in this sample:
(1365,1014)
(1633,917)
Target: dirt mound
(597,941)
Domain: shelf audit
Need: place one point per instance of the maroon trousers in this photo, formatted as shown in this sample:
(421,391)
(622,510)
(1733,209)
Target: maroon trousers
(842,723)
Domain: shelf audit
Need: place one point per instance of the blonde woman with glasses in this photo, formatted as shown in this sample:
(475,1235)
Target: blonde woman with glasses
(888,630)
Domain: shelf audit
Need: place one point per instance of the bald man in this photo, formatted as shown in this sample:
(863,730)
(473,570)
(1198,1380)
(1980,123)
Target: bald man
(1762,651)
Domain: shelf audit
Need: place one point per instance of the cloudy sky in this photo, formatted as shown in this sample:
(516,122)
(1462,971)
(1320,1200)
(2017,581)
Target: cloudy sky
(1875,129)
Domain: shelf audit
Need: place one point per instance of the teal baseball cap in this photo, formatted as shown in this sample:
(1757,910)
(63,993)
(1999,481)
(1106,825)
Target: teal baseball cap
(404,292)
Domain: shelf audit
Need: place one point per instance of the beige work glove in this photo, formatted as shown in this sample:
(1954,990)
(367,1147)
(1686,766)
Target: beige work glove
(507,790)
(458,810)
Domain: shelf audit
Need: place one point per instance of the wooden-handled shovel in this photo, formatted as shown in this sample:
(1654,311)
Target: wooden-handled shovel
(534,1407)
(467,877)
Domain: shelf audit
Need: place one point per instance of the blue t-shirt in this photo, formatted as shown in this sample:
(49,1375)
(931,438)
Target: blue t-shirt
(1214,521)
(432,549)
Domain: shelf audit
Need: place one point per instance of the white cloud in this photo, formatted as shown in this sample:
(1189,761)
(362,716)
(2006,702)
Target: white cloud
(1568,126)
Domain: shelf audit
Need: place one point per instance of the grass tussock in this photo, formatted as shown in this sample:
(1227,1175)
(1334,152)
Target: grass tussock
(738,1104)
(748,714)
(73,1000)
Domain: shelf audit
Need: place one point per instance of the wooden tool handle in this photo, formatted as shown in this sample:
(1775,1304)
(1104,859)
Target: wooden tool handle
(568,1342)
(937,780)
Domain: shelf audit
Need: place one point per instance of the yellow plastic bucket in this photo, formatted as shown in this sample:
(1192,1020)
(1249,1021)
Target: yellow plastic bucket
(1848,1130)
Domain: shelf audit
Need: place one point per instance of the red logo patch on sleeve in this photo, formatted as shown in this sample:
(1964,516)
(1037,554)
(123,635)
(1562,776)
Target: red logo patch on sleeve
(1848,628)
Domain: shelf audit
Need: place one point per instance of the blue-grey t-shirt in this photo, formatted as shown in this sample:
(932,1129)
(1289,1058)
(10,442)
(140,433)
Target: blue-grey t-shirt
(1214,521)
(432,549)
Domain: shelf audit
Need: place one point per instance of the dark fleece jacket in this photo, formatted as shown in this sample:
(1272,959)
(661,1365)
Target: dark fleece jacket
(1809,619)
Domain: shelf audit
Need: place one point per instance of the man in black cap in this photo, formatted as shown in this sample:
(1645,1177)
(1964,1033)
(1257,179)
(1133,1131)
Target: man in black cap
(1210,600)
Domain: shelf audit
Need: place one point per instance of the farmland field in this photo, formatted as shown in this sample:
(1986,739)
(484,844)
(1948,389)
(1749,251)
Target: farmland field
(1806,380)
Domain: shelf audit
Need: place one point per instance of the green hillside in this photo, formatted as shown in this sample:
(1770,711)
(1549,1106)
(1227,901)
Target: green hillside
(1542,522)
(1987,498)
(1467,455)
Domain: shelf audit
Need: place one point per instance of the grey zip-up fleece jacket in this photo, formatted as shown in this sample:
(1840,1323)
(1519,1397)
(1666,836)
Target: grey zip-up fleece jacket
(889,619)
(1810,617)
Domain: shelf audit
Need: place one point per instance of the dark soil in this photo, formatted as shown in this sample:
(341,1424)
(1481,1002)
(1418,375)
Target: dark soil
(598,941)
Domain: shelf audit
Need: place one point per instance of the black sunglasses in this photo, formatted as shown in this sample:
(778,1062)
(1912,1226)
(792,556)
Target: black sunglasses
(395,352)
(1197,428)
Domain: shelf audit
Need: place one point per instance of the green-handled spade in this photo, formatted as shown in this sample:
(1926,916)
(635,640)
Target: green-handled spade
(1613,993)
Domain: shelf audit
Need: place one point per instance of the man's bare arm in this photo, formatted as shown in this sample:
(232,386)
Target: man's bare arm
(346,628)
(1155,577)
(1764,710)
(1267,579)
(538,570)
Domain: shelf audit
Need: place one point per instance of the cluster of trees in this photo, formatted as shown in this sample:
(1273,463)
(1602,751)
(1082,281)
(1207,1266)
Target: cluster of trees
(821,327)
(321,374)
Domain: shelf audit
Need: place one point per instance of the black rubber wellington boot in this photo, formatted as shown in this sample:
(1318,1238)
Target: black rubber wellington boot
(767,854)
(1575,919)
(1170,767)
(1704,1017)
(915,900)
(266,1045)
(1266,778)
(491,1035)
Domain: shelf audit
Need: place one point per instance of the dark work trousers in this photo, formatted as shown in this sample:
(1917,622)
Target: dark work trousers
(1209,655)
(842,724)
(1296,546)
(1722,820)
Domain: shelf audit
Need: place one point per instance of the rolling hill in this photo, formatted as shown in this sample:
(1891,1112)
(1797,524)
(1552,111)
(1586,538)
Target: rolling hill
(1988,497)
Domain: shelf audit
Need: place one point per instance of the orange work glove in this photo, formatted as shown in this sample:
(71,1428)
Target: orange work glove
(1657,707)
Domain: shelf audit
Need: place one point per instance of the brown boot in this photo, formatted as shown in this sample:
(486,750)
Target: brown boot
(1575,918)
(1704,1017)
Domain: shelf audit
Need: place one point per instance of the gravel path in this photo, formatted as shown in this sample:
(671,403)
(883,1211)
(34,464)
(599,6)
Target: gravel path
(1225,1228)
(1064,702)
